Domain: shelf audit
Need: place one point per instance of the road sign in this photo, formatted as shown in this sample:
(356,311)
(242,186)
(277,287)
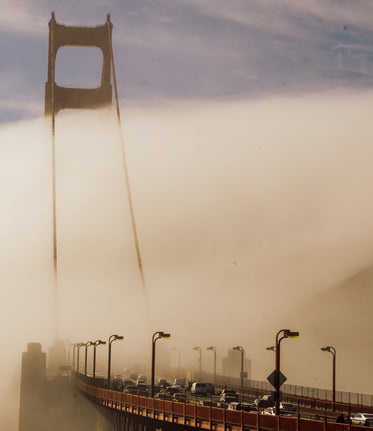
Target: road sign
(272,378)
(243,375)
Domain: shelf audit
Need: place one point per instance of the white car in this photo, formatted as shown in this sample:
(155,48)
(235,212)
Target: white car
(272,411)
(360,418)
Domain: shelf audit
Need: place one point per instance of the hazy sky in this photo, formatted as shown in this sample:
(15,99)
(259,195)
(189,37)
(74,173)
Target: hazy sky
(248,138)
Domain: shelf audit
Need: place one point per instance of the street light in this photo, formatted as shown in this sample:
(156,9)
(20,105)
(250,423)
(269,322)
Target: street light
(213,348)
(74,345)
(333,351)
(178,360)
(156,336)
(286,333)
(241,349)
(95,344)
(88,343)
(71,345)
(200,360)
(111,339)
(78,346)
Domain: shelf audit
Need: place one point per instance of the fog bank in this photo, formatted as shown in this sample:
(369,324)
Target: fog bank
(248,214)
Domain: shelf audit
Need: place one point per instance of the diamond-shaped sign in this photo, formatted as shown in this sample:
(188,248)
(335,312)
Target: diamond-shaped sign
(272,378)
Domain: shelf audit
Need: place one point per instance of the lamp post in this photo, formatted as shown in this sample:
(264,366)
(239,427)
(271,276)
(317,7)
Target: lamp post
(88,343)
(242,350)
(200,361)
(333,351)
(281,334)
(74,345)
(95,344)
(71,345)
(78,346)
(111,339)
(156,336)
(213,348)
(178,360)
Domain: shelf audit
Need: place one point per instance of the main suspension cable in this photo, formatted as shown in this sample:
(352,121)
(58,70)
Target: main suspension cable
(126,175)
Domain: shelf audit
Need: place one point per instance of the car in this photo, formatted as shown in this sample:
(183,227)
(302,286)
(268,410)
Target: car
(117,383)
(180,397)
(199,388)
(208,403)
(210,389)
(163,383)
(179,381)
(156,389)
(360,418)
(162,396)
(287,407)
(130,389)
(140,382)
(264,402)
(228,391)
(174,389)
(246,407)
(229,399)
(228,395)
(271,411)
(142,388)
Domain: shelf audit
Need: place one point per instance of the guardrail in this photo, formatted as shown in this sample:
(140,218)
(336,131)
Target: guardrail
(202,417)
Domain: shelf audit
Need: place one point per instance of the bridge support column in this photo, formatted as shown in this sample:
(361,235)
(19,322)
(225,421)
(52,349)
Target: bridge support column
(33,389)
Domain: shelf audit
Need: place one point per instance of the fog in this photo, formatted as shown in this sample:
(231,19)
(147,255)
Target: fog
(251,216)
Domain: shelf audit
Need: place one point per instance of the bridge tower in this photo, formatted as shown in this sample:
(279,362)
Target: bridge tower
(33,389)
(57,97)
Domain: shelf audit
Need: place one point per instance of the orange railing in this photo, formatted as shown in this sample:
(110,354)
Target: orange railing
(203,417)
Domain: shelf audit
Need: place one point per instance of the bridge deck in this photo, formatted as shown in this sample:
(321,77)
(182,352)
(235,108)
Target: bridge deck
(203,417)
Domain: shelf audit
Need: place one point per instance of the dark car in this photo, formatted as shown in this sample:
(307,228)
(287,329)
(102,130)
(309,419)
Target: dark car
(287,407)
(208,403)
(228,395)
(210,389)
(117,383)
(264,402)
(130,389)
(229,399)
(174,389)
(246,407)
(163,396)
(163,383)
(180,397)
(142,389)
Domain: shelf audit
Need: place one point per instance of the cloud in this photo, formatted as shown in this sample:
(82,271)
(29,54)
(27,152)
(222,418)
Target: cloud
(287,16)
(21,17)
(246,210)
(201,50)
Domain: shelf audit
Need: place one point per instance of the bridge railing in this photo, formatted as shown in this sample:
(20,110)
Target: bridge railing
(298,400)
(197,416)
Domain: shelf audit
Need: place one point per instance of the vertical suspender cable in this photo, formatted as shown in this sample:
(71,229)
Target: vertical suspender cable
(54,184)
(139,260)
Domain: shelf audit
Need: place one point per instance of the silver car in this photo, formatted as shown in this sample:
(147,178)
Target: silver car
(360,418)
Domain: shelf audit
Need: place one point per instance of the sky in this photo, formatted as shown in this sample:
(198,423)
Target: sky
(247,132)
(192,50)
